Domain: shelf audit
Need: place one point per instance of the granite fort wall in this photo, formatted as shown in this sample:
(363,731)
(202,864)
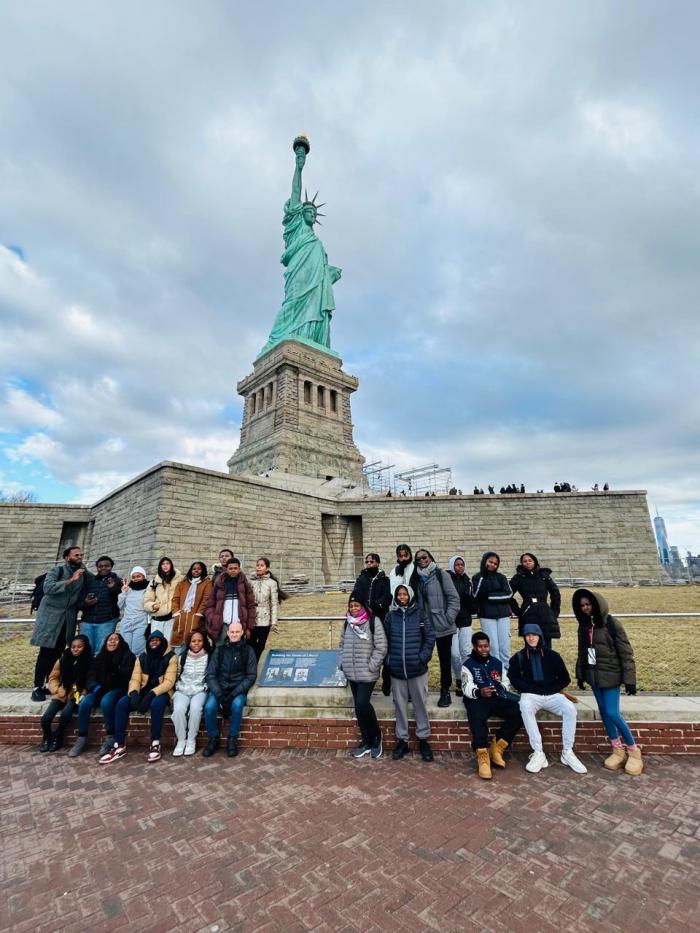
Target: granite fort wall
(188,512)
(201,510)
(30,534)
(587,534)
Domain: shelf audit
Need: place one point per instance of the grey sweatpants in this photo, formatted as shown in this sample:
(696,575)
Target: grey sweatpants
(415,690)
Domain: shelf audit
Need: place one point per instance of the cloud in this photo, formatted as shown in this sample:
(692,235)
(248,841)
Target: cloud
(512,195)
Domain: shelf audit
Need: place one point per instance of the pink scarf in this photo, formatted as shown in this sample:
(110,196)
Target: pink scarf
(359,619)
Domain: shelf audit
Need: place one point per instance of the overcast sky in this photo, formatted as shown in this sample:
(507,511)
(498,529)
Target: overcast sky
(512,193)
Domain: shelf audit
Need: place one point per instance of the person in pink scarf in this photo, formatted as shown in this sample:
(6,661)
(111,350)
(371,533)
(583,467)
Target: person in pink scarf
(363,647)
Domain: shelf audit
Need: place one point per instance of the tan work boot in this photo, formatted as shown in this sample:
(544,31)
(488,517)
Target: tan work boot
(616,760)
(634,765)
(496,749)
(483,763)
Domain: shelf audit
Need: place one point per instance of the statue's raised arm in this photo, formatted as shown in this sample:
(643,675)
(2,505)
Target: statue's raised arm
(300,156)
(308,303)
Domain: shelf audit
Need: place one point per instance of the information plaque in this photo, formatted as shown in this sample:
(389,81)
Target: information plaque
(297,667)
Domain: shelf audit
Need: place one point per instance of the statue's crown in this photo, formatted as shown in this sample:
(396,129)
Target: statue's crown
(312,203)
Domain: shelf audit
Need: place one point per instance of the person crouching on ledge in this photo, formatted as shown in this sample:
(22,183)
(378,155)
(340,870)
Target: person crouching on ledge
(150,688)
(68,685)
(540,675)
(486,694)
(230,675)
(362,649)
(606,661)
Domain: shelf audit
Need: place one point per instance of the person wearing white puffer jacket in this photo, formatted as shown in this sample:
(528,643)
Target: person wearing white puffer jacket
(190,692)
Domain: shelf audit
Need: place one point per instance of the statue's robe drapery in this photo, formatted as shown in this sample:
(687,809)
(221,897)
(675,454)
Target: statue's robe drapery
(308,283)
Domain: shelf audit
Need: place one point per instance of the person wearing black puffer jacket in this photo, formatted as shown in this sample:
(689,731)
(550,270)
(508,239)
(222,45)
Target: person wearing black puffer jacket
(411,639)
(492,595)
(230,675)
(462,638)
(535,585)
(540,676)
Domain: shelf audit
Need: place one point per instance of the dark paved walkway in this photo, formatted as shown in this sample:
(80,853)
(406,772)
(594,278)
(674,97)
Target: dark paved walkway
(298,841)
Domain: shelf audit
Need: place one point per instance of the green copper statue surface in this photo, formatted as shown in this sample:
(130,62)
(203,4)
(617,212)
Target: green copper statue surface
(308,303)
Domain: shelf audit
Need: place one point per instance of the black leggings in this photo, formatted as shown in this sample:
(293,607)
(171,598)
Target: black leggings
(46,659)
(366,717)
(64,711)
(258,638)
(444,650)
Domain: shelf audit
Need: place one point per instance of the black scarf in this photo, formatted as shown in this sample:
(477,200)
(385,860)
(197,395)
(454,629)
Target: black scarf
(107,663)
(231,585)
(138,584)
(74,671)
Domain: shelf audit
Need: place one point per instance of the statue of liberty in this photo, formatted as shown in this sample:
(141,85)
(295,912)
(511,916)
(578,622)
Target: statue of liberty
(308,279)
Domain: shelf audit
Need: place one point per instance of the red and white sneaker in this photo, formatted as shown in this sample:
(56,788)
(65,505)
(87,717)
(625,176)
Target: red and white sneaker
(154,752)
(114,754)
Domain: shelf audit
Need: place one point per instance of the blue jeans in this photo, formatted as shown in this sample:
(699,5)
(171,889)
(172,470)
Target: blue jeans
(121,719)
(211,708)
(107,704)
(97,633)
(608,701)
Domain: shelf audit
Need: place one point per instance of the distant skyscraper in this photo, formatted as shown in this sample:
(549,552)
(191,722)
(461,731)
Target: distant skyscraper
(662,541)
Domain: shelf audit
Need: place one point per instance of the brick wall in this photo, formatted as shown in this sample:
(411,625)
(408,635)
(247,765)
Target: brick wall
(673,738)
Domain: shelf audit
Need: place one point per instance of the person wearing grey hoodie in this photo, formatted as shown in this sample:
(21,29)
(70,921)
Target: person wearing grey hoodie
(411,640)
(439,602)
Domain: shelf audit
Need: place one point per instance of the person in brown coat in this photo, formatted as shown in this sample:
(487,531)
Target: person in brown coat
(68,683)
(231,599)
(606,662)
(189,602)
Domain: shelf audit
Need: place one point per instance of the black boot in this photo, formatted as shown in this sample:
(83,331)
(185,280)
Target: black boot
(56,740)
(232,747)
(445,698)
(426,751)
(400,749)
(458,688)
(212,746)
(46,740)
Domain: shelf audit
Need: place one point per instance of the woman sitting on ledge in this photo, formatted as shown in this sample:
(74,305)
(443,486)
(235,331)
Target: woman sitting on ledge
(68,685)
(109,680)
(150,687)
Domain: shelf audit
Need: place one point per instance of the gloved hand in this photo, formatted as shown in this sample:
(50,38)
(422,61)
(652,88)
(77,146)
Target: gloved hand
(630,689)
(134,700)
(581,684)
(145,701)
(386,681)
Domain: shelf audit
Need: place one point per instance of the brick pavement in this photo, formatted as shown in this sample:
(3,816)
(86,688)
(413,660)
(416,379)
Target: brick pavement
(295,840)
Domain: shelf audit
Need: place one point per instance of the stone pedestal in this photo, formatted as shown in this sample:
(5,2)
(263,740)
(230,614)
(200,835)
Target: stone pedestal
(296,417)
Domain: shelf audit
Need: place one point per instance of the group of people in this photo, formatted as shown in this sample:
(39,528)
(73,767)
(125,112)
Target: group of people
(189,641)
(192,643)
(394,622)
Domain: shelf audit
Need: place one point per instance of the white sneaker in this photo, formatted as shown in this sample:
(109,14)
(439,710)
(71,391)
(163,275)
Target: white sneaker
(190,746)
(568,758)
(536,762)
(179,749)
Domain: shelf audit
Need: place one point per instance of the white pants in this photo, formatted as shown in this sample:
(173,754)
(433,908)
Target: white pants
(498,631)
(163,625)
(461,649)
(531,703)
(195,704)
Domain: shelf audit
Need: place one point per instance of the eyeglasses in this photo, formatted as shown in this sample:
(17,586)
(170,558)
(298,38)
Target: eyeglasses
(370,561)
(422,557)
